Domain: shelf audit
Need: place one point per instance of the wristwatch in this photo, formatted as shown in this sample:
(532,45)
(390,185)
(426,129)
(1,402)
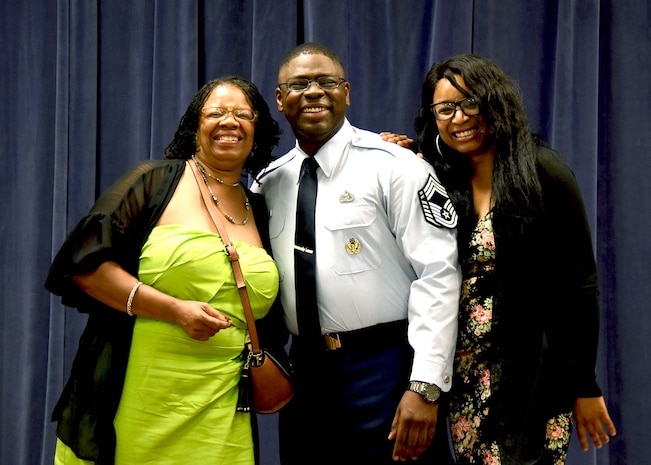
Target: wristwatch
(430,392)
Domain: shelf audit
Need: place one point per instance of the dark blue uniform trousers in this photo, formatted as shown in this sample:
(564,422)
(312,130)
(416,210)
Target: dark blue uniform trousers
(345,401)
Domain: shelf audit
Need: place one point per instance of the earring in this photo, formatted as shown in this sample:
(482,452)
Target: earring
(438,147)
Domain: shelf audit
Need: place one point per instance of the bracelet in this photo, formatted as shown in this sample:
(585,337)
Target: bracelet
(134,289)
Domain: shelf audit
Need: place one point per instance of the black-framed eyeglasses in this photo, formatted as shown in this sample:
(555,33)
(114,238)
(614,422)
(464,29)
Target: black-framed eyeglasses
(302,84)
(444,111)
(218,113)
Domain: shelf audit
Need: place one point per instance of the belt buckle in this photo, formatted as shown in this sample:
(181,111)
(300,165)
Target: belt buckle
(332,341)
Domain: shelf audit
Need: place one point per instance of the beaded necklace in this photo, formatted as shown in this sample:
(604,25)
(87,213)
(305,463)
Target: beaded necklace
(220,180)
(230,219)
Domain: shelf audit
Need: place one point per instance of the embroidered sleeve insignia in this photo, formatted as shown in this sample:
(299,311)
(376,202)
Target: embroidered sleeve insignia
(437,206)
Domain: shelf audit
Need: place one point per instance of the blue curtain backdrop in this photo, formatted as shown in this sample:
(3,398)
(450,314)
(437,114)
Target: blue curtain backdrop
(89,88)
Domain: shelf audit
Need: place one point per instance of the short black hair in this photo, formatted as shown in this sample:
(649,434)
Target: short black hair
(310,48)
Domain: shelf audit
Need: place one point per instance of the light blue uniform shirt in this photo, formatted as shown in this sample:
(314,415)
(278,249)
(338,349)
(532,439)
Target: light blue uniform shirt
(380,255)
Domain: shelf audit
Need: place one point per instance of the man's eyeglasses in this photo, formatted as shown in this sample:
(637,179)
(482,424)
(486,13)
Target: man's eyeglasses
(218,113)
(444,111)
(324,82)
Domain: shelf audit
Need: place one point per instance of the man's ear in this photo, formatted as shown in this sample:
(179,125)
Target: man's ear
(279,99)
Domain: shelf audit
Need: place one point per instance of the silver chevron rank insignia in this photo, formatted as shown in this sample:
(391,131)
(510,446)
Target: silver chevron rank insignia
(437,206)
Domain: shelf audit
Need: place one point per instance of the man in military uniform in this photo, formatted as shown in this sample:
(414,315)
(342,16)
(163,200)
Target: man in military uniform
(375,356)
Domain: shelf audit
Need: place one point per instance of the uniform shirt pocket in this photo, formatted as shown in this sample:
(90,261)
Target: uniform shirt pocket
(352,239)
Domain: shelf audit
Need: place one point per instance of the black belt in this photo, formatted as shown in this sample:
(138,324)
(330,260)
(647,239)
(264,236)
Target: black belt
(372,336)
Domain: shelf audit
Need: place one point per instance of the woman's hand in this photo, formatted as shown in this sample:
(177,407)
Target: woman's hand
(399,139)
(199,320)
(590,415)
(402,140)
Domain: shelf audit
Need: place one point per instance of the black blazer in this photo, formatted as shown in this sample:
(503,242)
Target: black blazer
(546,312)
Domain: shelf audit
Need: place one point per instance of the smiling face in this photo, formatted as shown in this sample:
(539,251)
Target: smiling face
(314,114)
(225,143)
(465,134)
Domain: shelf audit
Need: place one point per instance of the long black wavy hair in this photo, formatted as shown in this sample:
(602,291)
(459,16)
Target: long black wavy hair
(516,190)
(267,130)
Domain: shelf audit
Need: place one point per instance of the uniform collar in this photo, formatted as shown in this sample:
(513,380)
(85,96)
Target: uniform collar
(331,153)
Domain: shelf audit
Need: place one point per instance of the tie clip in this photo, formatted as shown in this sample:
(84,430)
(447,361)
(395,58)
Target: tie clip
(303,249)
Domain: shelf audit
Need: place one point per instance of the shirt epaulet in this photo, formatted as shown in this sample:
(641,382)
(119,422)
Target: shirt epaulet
(370,140)
(274,165)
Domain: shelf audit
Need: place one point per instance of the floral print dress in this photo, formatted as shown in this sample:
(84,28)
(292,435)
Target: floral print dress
(474,366)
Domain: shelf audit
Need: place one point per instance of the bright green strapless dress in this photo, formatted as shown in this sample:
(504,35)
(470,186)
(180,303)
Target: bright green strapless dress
(179,398)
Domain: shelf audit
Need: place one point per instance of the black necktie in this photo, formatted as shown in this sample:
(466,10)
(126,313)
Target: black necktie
(307,313)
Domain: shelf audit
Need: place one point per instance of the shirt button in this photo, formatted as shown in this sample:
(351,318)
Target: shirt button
(446,379)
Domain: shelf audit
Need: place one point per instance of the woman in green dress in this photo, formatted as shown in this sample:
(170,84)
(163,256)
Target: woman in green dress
(156,375)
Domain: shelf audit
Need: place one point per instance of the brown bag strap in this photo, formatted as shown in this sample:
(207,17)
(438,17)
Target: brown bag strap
(231,253)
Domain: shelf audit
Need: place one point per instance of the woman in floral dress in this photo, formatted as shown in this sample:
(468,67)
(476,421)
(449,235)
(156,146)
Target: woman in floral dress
(474,366)
(529,314)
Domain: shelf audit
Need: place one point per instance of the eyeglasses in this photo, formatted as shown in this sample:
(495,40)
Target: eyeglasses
(218,113)
(324,82)
(444,111)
